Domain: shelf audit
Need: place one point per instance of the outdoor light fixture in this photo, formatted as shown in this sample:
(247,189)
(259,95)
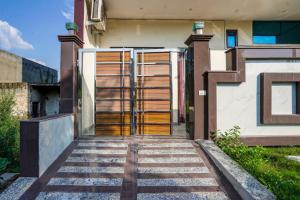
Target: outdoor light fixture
(198,27)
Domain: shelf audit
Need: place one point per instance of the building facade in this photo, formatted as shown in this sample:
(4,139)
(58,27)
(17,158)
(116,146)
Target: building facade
(35,86)
(142,70)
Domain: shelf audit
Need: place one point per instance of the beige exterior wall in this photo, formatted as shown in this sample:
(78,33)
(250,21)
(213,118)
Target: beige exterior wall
(22,99)
(89,38)
(88,93)
(11,68)
(168,34)
(239,104)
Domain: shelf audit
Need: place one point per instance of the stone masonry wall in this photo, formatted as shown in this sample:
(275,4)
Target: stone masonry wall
(21,92)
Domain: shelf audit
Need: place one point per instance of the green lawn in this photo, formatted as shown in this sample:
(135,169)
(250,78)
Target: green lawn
(268,165)
(271,168)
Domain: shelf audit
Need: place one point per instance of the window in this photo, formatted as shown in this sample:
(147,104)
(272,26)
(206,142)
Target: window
(231,38)
(276,32)
(264,39)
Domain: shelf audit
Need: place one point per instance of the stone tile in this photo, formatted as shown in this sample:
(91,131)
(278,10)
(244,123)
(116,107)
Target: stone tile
(94,144)
(70,169)
(155,170)
(95,159)
(183,195)
(7,177)
(17,188)
(246,185)
(174,145)
(171,160)
(98,151)
(178,182)
(86,181)
(170,151)
(77,196)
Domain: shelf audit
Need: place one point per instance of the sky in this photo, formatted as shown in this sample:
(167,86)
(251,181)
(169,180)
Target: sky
(29,28)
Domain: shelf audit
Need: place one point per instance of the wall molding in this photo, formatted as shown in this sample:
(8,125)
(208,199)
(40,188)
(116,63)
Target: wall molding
(272,140)
(266,81)
(235,71)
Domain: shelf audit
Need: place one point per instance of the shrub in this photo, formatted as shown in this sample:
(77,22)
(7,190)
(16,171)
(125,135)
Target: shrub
(230,138)
(268,165)
(9,131)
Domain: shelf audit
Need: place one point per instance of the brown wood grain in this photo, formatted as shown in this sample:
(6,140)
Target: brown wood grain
(103,69)
(154,81)
(112,57)
(112,130)
(154,129)
(153,69)
(102,93)
(154,57)
(154,117)
(154,93)
(112,105)
(112,81)
(153,105)
(106,118)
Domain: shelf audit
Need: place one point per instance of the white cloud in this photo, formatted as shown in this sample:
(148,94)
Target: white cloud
(68,13)
(11,38)
(37,61)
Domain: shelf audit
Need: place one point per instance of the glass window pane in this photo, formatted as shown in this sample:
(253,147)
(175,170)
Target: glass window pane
(264,39)
(231,41)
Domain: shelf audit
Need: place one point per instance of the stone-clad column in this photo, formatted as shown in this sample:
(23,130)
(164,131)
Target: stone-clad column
(68,75)
(200,44)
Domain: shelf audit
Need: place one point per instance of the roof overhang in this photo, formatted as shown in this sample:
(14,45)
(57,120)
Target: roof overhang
(204,9)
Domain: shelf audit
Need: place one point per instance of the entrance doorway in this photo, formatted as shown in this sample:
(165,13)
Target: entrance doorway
(133,92)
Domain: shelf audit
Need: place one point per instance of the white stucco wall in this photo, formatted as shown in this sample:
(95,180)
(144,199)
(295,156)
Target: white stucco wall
(284,98)
(168,34)
(239,104)
(174,59)
(88,93)
(55,135)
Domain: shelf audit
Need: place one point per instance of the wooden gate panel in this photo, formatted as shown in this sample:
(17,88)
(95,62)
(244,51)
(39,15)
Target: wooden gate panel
(114,86)
(113,56)
(107,69)
(154,129)
(113,82)
(112,118)
(112,93)
(160,117)
(154,93)
(112,130)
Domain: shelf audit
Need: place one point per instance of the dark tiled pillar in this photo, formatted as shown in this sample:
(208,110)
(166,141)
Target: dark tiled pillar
(68,75)
(79,16)
(200,44)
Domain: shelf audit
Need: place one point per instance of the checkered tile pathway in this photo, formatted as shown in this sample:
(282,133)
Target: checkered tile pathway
(133,169)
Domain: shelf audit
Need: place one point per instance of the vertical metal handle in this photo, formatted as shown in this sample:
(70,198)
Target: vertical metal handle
(143,90)
(122,94)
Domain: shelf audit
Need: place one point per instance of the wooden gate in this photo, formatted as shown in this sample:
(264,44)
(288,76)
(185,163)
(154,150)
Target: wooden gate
(133,99)
(153,93)
(113,93)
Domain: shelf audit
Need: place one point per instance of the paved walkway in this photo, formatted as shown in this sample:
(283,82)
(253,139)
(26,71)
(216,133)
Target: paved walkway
(142,169)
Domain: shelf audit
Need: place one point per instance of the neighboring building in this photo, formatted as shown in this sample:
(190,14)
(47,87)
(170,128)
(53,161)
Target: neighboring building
(35,86)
